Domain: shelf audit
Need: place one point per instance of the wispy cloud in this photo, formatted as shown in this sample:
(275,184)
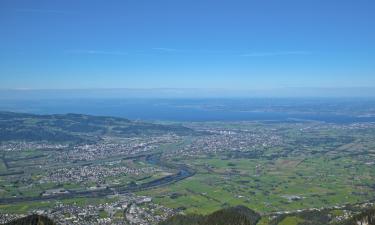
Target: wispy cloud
(44,11)
(96,52)
(282,53)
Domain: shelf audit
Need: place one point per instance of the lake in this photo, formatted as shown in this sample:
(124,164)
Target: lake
(203,109)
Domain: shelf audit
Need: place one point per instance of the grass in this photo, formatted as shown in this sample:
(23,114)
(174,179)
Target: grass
(103,214)
(291,220)
(25,207)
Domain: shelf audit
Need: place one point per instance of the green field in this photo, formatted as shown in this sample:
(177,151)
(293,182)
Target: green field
(323,168)
(279,167)
(285,183)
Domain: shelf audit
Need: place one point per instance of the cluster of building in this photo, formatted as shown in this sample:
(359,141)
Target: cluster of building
(120,209)
(137,214)
(342,212)
(7,217)
(230,140)
(110,147)
(22,145)
(344,126)
(92,173)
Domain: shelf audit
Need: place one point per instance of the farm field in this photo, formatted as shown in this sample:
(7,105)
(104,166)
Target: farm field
(269,185)
(273,168)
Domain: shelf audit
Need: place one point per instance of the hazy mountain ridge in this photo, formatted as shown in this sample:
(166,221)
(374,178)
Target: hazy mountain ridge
(76,127)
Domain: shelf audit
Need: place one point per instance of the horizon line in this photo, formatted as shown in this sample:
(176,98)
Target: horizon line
(183,88)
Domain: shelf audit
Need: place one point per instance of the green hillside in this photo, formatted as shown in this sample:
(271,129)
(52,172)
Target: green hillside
(76,127)
(239,215)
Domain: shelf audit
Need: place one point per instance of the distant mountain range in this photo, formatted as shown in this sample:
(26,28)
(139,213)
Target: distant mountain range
(77,127)
(103,93)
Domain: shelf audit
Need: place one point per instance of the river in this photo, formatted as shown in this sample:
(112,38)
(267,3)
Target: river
(153,159)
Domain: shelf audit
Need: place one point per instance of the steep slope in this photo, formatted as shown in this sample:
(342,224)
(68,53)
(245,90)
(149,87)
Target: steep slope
(239,215)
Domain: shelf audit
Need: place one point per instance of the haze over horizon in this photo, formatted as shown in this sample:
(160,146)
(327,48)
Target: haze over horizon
(175,93)
(237,45)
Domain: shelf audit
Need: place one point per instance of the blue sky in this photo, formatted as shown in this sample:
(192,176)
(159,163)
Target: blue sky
(231,44)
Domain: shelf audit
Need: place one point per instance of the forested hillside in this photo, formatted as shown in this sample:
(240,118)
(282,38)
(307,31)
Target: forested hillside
(239,215)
